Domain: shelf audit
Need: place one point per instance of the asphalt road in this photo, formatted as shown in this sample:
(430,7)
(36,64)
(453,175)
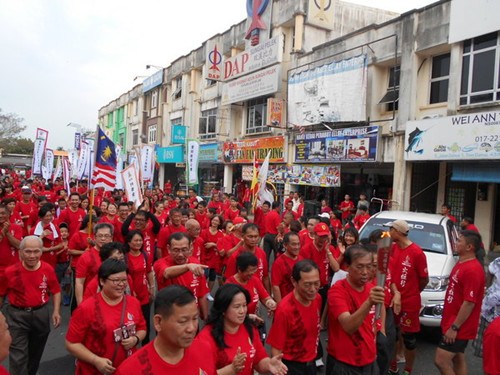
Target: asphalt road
(57,361)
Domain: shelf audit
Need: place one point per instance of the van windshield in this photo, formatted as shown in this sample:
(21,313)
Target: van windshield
(430,237)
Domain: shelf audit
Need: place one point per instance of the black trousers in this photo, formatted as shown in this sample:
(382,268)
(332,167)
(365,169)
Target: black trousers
(269,245)
(335,367)
(300,368)
(146,312)
(29,331)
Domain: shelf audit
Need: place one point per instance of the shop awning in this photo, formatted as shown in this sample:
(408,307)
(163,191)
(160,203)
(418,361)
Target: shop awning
(476,172)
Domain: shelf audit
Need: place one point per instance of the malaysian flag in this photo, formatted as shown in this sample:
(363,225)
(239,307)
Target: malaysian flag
(104,174)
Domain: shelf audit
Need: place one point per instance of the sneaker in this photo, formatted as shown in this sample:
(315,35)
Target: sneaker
(319,363)
(391,372)
(210,298)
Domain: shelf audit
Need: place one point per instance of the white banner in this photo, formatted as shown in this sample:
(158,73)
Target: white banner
(91,161)
(42,134)
(119,167)
(38,156)
(58,171)
(131,185)
(193,156)
(253,85)
(83,161)
(73,163)
(66,175)
(147,163)
(472,136)
(328,93)
(48,167)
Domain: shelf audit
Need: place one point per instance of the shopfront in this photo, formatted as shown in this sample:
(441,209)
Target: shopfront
(172,163)
(210,168)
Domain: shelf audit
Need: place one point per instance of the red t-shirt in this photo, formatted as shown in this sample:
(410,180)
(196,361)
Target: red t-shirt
(263,269)
(281,273)
(466,284)
(3,371)
(219,206)
(229,214)
(196,284)
(202,219)
(360,220)
(8,253)
(343,205)
(336,224)
(256,289)
(271,222)
(359,348)
(198,244)
(407,267)
(117,232)
(78,241)
(295,329)
(92,324)
(92,288)
(491,343)
(138,269)
(25,288)
(224,356)
(210,257)
(88,265)
(147,362)
(258,220)
(164,235)
(26,209)
(73,219)
(320,258)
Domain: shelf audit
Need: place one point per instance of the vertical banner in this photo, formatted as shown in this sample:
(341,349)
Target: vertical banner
(119,167)
(73,163)
(38,156)
(147,163)
(66,175)
(78,139)
(49,163)
(83,161)
(58,171)
(193,155)
(42,134)
(91,161)
(275,112)
(131,185)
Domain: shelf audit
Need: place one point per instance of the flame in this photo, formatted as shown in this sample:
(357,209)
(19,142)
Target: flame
(385,235)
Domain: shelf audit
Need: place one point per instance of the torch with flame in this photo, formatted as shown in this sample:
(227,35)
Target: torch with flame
(384,244)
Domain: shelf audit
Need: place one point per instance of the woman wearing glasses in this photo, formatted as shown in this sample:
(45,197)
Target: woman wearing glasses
(106,329)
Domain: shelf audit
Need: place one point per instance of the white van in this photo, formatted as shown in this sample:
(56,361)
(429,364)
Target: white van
(436,235)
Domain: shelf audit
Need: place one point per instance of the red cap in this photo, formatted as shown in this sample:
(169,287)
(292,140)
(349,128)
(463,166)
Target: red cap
(321,229)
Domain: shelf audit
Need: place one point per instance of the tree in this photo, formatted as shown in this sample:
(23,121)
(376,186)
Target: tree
(17,146)
(11,125)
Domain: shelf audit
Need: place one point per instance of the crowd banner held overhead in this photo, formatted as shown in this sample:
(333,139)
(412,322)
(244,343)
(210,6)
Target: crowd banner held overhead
(78,139)
(104,174)
(49,162)
(42,134)
(147,163)
(66,174)
(73,163)
(254,187)
(119,167)
(331,92)
(348,145)
(193,155)
(131,185)
(38,150)
(83,160)
(58,170)
(264,169)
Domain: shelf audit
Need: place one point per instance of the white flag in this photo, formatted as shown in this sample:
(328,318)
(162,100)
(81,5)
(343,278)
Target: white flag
(193,156)
(264,169)
(66,175)
(73,163)
(83,161)
(131,185)
(119,167)
(49,163)
(39,145)
(147,163)
(58,171)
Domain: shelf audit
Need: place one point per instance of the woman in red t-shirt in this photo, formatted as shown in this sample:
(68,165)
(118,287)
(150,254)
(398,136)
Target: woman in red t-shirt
(141,271)
(234,341)
(110,215)
(106,329)
(209,253)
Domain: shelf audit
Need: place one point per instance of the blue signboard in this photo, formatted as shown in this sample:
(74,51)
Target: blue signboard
(346,145)
(172,154)
(152,81)
(210,153)
(179,134)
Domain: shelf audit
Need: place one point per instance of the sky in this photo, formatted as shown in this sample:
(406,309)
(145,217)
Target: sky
(62,60)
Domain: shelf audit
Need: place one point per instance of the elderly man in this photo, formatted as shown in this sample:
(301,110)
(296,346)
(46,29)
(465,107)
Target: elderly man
(28,286)
(193,230)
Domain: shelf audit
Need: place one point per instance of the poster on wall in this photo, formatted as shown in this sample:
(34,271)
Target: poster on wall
(328,93)
(350,144)
(474,136)
(309,174)
(243,151)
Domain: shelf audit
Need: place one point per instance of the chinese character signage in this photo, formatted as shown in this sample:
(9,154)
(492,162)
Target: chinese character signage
(275,112)
(243,151)
(349,144)
(179,134)
(193,153)
(172,154)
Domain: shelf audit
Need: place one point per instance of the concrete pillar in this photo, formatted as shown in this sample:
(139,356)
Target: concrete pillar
(228,178)
(441,194)
(299,32)
(402,176)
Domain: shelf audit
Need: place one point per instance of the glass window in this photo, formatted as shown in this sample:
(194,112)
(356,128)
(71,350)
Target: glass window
(257,116)
(152,134)
(480,70)
(391,97)
(154,99)
(440,78)
(207,124)
(178,88)
(135,137)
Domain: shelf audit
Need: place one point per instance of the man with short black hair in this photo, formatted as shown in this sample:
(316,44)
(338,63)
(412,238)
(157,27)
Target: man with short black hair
(176,323)
(281,275)
(462,306)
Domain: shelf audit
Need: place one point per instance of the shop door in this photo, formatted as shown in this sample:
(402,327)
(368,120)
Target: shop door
(424,187)
(461,196)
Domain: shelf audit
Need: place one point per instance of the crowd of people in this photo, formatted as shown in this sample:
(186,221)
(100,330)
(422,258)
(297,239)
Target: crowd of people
(195,272)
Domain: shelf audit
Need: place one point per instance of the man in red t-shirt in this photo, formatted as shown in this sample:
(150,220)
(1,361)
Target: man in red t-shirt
(26,208)
(258,217)
(73,215)
(28,286)
(174,226)
(462,306)
(179,267)
(281,275)
(10,237)
(295,329)
(193,230)
(271,222)
(409,276)
(446,211)
(361,218)
(171,352)
(351,317)
(90,261)
(346,206)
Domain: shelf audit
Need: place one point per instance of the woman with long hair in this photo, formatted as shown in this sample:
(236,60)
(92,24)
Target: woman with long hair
(233,339)
(209,253)
(141,272)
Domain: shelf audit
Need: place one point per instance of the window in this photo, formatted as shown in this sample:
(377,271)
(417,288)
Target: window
(480,70)
(152,134)
(257,116)
(121,139)
(178,88)
(154,99)
(211,82)
(176,121)
(391,97)
(208,121)
(136,107)
(135,137)
(440,77)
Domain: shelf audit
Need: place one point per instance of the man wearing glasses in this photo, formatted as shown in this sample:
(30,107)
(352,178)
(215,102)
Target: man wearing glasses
(90,261)
(180,267)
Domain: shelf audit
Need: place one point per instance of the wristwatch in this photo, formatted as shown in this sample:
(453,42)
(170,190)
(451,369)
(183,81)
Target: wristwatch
(455,328)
